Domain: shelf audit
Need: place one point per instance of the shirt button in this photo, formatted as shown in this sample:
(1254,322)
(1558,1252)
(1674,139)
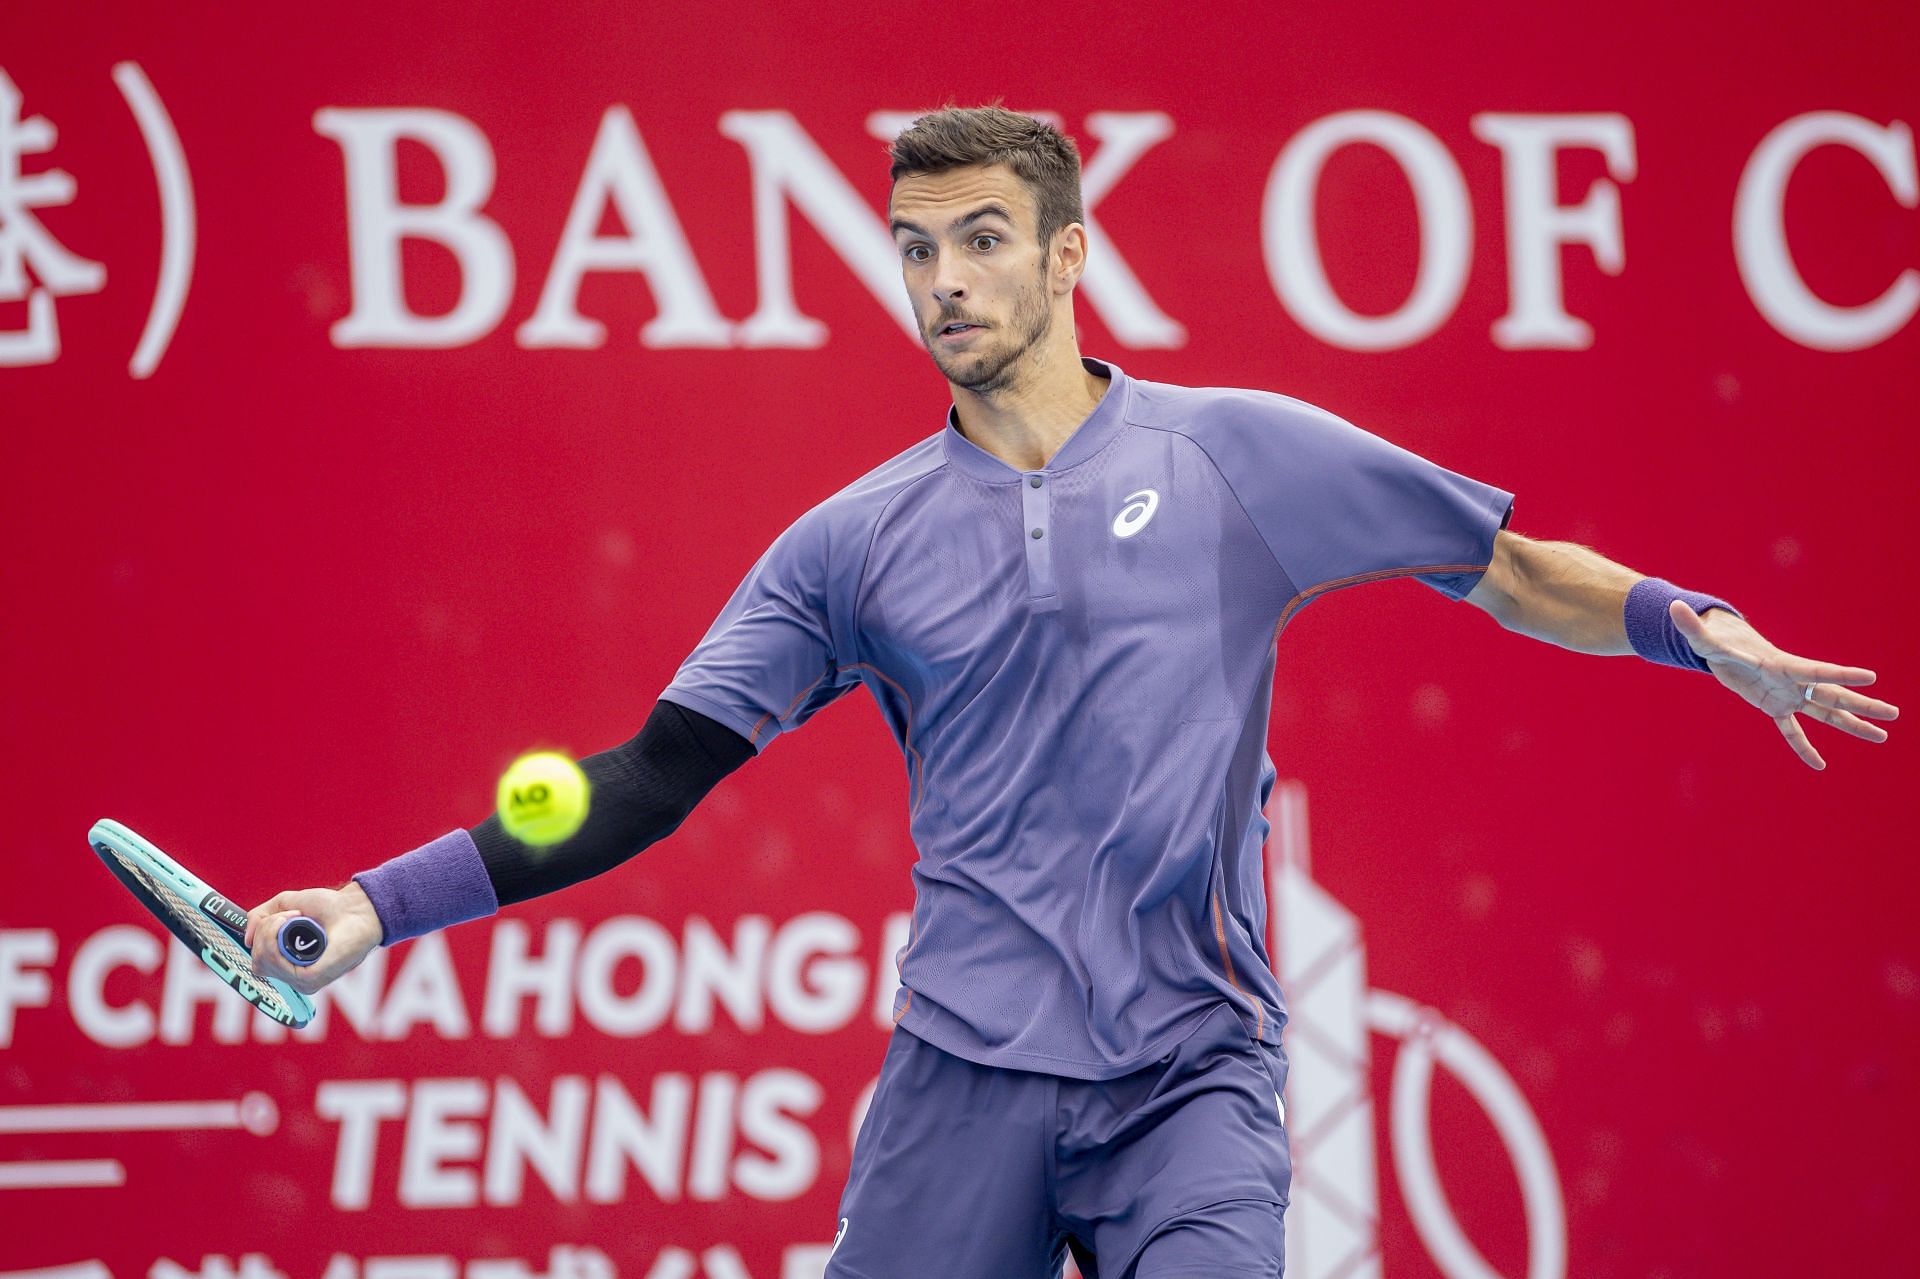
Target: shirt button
(1037,533)
(1033,481)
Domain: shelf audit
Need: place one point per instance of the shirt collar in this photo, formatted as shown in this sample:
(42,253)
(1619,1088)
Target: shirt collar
(1092,435)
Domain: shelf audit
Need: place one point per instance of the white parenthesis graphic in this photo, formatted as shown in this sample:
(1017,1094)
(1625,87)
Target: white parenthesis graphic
(1426,1035)
(176,215)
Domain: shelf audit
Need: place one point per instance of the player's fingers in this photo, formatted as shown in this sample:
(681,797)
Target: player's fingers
(1807,671)
(1845,699)
(1847,723)
(1694,628)
(1688,623)
(1731,653)
(1797,738)
(1712,647)
(257,944)
(277,902)
(267,959)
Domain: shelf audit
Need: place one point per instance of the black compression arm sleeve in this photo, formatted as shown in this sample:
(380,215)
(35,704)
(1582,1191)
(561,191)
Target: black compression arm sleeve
(642,790)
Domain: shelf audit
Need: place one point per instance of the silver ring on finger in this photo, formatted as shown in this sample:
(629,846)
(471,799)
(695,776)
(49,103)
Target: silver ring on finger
(1807,695)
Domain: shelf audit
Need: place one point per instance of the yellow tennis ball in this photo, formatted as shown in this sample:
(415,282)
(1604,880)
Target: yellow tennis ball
(542,798)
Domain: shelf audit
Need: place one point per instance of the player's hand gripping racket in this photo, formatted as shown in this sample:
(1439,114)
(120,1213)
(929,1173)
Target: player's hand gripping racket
(211,926)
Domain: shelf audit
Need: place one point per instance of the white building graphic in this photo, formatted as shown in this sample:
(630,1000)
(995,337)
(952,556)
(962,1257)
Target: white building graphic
(1332,1224)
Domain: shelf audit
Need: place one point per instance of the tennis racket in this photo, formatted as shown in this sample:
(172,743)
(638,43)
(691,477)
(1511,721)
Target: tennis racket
(211,926)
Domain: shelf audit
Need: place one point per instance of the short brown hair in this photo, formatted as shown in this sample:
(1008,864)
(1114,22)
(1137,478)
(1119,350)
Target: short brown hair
(1039,155)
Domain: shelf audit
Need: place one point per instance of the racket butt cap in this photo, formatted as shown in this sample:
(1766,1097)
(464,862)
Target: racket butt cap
(302,941)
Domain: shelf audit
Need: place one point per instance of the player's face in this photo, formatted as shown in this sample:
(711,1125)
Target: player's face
(975,270)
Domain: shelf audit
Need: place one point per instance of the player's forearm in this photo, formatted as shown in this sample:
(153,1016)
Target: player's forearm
(619,826)
(1565,594)
(642,790)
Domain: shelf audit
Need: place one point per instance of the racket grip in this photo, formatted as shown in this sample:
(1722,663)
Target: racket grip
(302,941)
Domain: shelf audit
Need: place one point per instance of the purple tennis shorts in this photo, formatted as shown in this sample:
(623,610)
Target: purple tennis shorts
(976,1172)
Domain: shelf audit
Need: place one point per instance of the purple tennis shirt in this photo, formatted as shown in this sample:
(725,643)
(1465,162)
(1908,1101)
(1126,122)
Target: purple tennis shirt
(1077,663)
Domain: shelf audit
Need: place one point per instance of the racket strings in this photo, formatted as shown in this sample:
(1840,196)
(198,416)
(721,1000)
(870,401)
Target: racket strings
(211,934)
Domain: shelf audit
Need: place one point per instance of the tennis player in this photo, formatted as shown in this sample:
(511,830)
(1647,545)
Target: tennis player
(1066,604)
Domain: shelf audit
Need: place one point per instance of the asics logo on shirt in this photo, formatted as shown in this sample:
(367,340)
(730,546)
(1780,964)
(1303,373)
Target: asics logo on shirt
(837,1237)
(1134,515)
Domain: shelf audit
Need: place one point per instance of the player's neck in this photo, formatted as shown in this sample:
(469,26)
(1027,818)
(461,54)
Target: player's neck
(1025,424)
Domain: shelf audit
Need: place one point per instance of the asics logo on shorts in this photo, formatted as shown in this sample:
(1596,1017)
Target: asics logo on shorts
(1134,515)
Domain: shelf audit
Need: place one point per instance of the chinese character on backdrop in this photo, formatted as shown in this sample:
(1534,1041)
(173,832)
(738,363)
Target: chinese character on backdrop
(25,244)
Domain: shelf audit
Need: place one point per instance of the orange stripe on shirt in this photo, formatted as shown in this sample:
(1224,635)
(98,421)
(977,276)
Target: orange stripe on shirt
(1305,597)
(792,706)
(1220,935)
(906,738)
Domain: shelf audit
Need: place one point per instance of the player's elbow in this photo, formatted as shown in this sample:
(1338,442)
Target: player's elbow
(1501,590)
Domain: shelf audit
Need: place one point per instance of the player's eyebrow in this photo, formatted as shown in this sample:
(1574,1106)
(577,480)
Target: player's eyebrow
(984,211)
(994,210)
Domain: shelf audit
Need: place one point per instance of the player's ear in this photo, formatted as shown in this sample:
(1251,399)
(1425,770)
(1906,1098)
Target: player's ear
(1067,257)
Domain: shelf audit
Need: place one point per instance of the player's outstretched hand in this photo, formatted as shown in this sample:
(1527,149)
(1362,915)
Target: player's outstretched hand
(353,930)
(1781,685)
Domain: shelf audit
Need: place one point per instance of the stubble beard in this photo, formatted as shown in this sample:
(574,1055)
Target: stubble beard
(989,374)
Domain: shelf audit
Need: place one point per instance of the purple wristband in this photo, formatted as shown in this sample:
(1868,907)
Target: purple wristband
(1651,630)
(436,885)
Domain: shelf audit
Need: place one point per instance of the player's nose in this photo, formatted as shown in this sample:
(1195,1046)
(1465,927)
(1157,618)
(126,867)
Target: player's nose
(949,288)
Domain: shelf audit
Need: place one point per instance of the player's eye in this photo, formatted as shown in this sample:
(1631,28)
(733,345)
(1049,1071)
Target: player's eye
(918,253)
(983,242)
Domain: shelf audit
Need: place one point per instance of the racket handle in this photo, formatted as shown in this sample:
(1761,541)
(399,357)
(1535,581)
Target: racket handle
(302,940)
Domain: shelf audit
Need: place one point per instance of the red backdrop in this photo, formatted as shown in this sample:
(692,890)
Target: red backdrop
(286,600)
